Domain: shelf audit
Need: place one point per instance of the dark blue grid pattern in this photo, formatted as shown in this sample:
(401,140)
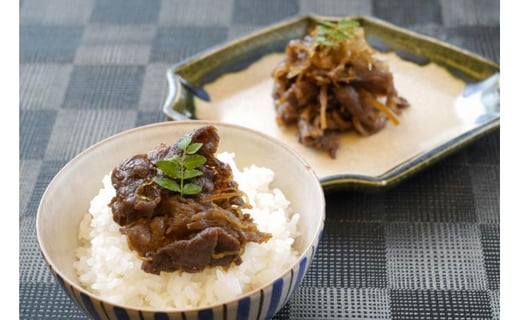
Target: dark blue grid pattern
(47,171)
(428,248)
(104,87)
(490,235)
(362,207)
(173,44)
(439,304)
(408,12)
(37,129)
(484,39)
(486,152)
(419,257)
(421,200)
(34,83)
(263,12)
(356,247)
(125,11)
(48,44)
(339,303)
(44,302)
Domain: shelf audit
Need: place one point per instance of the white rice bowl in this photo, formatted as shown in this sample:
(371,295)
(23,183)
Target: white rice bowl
(107,267)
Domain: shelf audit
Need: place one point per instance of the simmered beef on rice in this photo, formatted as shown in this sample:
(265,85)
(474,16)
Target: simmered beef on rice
(173,232)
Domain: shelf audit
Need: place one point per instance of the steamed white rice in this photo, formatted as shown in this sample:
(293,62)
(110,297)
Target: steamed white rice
(107,267)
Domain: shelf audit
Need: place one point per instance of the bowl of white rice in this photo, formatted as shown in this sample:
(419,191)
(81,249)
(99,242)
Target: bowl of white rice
(91,260)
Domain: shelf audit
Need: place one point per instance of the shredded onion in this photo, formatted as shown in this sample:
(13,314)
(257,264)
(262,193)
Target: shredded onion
(325,90)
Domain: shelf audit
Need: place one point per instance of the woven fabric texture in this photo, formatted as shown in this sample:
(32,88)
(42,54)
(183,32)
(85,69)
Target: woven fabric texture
(426,249)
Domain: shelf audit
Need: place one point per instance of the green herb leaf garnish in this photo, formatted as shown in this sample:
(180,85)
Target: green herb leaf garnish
(178,169)
(331,34)
(168,183)
(191,188)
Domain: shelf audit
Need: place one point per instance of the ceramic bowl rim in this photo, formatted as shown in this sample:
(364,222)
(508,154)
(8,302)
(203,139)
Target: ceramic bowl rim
(314,239)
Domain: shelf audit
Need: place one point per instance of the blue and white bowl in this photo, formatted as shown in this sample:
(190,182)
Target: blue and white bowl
(67,199)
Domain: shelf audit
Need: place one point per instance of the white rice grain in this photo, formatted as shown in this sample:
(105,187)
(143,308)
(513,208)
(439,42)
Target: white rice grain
(108,268)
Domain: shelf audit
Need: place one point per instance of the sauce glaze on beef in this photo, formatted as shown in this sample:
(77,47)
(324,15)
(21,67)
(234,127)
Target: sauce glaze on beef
(171,232)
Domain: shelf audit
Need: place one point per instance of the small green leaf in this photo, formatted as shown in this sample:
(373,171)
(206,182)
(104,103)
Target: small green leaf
(175,158)
(194,161)
(338,34)
(325,42)
(350,24)
(184,142)
(332,33)
(193,148)
(167,183)
(192,173)
(180,168)
(191,188)
(170,167)
(323,31)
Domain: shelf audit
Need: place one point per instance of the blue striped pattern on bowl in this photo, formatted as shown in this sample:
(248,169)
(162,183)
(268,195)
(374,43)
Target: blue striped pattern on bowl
(262,304)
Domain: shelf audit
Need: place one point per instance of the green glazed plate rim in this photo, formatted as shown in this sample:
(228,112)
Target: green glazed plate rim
(187,78)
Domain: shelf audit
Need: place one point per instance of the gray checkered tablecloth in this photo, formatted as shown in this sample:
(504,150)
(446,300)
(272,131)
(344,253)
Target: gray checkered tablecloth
(426,249)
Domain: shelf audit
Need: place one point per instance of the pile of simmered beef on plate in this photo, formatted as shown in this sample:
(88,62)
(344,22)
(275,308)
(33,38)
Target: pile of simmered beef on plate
(331,82)
(173,231)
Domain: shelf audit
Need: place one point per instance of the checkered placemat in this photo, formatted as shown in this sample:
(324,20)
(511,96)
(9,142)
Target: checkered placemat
(426,249)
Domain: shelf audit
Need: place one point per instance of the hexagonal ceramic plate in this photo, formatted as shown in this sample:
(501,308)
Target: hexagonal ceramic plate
(454,97)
